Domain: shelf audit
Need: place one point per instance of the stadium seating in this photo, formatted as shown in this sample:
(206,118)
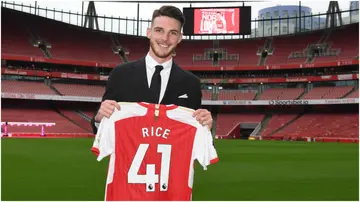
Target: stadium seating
(80,89)
(67,41)
(281,94)
(323,125)
(206,94)
(327,92)
(29,87)
(136,46)
(246,49)
(89,113)
(347,40)
(296,60)
(284,45)
(74,43)
(325,58)
(277,121)
(354,94)
(82,44)
(235,95)
(187,49)
(63,125)
(15,38)
(71,114)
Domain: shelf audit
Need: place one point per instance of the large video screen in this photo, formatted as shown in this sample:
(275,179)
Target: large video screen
(217,21)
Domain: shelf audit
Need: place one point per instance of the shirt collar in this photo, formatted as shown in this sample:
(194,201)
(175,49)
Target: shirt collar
(151,62)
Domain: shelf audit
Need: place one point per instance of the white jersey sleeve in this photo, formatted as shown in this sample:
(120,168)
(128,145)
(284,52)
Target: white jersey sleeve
(203,147)
(104,143)
(204,150)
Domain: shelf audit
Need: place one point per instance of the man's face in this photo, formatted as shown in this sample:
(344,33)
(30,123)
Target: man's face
(164,35)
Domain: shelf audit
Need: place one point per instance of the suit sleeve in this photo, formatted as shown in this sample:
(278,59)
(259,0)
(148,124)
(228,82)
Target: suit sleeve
(198,95)
(195,102)
(110,93)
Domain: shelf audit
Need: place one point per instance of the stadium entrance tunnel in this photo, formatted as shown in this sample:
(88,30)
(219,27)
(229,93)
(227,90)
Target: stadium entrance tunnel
(242,131)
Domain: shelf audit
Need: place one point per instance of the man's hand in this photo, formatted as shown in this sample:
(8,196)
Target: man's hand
(204,117)
(106,109)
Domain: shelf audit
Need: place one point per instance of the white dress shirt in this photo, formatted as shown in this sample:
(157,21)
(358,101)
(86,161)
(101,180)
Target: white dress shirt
(150,70)
(165,73)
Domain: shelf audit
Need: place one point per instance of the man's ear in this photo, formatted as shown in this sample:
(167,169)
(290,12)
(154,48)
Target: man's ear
(148,32)
(180,37)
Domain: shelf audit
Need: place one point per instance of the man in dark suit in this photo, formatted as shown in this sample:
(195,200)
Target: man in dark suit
(155,78)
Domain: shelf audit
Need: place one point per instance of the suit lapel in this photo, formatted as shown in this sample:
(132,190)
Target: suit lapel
(140,79)
(174,81)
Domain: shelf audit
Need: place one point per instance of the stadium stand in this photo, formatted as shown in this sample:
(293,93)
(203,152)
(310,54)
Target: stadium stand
(185,57)
(14,36)
(345,40)
(322,125)
(74,43)
(296,60)
(62,114)
(73,116)
(281,94)
(63,125)
(30,87)
(206,94)
(277,121)
(235,95)
(283,46)
(88,113)
(245,48)
(328,92)
(354,94)
(80,89)
(67,41)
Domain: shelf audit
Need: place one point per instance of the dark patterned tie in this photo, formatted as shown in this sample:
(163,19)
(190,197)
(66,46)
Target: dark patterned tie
(155,85)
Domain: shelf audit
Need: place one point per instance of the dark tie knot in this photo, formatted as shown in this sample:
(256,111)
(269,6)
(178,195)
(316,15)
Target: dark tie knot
(158,68)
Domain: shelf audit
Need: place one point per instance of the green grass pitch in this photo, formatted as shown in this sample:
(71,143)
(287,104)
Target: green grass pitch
(65,169)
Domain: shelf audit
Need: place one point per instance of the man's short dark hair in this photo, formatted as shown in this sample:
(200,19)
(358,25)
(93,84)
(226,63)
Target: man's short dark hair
(169,11)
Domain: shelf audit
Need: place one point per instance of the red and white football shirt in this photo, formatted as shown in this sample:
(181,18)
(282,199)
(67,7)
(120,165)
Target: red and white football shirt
(152,157)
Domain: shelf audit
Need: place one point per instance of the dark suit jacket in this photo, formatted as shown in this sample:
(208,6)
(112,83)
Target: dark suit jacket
(128,83)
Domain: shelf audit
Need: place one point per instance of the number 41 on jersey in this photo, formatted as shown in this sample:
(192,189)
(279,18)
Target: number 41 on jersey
(150,178)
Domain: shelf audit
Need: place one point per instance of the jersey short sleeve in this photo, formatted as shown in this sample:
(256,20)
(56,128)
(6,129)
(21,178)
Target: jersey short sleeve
(104,143)
(204,150)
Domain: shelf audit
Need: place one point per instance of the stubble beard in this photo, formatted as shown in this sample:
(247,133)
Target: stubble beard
(158,54)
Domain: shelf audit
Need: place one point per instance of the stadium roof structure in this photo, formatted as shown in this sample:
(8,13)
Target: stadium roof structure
(139,1)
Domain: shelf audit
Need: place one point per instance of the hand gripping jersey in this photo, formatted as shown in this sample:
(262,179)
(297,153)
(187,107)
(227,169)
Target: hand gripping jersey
(152,151)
